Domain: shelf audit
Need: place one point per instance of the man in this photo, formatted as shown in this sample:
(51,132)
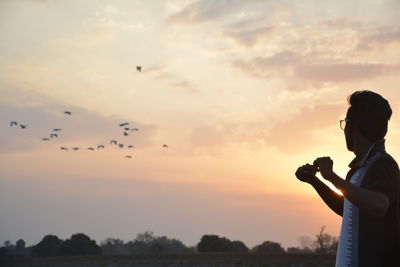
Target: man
(370,204)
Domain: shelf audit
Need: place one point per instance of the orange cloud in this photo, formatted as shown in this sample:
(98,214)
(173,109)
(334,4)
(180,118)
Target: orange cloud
(295,134)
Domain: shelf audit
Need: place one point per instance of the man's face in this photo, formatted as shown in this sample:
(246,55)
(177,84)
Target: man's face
(348,134)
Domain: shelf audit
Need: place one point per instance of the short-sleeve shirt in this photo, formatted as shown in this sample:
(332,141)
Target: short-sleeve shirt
(366,240)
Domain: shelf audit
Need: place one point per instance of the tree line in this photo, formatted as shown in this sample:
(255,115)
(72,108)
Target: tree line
(149,243)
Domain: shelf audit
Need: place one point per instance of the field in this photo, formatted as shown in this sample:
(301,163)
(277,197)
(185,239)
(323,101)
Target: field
(204,259)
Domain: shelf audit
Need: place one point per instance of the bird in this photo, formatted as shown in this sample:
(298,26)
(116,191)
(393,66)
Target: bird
(12,123)
(131,146)
(123,124)
(45,139)
(128,156)
(23,126)
(120,145)
(113,142)
(56,130)
(90,148)
(67,112)
(139,68)
(135,129)
(126,129)
(63,148)
(75,148)
(53,135)
(164,145)
(100,146)
(125,133)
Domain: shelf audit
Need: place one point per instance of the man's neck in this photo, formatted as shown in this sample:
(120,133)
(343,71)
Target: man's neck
(362,148)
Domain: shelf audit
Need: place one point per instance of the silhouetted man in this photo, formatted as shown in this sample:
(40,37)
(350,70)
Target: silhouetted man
(370,205)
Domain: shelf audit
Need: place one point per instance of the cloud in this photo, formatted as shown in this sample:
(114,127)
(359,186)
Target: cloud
(290,64)
(161,72)
(249,37)
(382,37)
(265,67)
(341,23)
(200,11)
(295,135)
(291,135)
(343,72)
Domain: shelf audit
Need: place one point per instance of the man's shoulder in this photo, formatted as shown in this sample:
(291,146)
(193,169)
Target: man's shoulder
(386,161)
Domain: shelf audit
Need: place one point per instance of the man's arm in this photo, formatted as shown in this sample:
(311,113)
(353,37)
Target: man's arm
(330,197)
(371,202)
(306,173)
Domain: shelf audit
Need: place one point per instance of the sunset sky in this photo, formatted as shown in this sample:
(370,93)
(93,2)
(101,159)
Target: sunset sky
(242,92)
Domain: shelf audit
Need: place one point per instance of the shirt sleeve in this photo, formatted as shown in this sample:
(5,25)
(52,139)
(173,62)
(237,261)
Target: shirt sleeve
(384,177)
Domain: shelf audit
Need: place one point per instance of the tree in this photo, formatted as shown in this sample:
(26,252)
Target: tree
(8,244)
(239,246)
(214,243)
(50,245)
(296,250)
(269,247)
(20,245)
(112,246)
(80,244)
(323,241)
(147,242)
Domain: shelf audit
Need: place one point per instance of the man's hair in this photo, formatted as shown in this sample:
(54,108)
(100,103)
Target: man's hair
(370,113)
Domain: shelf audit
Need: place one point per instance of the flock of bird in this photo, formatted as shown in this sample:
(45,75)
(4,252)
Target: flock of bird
(55,134)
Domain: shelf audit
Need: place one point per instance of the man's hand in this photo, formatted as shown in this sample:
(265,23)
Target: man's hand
(325,167)
(306,173)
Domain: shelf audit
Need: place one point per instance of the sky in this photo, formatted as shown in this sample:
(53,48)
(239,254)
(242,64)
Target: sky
(241,92)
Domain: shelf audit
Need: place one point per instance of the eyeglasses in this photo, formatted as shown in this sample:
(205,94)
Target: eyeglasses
(343,123)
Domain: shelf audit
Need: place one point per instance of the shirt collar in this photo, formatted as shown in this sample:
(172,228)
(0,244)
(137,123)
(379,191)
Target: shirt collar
(378,146)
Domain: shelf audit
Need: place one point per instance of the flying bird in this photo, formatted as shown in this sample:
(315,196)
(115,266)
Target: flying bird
(12,123)
(113,142)
(123,124)
(23,126)
(100,146)
(128,156)
(56,130)
(45,139)
(164,145)
(63,148)
(121,145)
(53,135)
(139,68)
(75,148)
(90,148)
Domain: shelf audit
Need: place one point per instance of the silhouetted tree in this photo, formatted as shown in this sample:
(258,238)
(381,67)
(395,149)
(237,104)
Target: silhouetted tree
(112,246)
(296,250)
(50,245)
(239,246)
(8,244)
(325,243)
(214,243)
(147,242)
(269,247)
(20,244)
(80,244)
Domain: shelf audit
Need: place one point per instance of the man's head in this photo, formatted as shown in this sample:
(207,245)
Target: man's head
(368,116)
